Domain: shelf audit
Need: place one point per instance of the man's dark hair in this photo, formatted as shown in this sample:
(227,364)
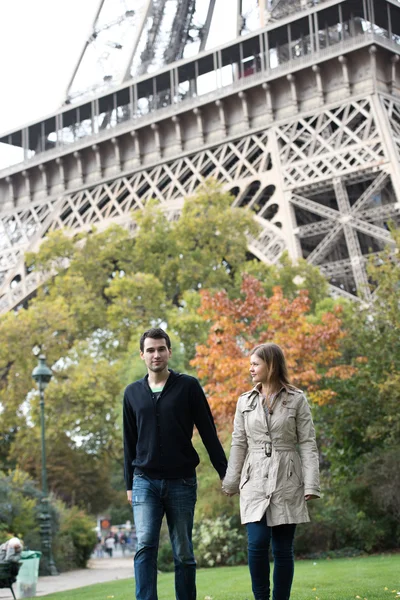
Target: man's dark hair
(157,334)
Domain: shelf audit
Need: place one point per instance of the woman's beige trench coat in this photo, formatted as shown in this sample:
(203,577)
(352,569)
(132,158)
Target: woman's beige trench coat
(274,485)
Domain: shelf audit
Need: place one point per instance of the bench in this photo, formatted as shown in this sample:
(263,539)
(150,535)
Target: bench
(8,574)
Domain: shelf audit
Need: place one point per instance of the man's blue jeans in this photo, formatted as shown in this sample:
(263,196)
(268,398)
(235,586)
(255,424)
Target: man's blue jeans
(151,499)
(259,536)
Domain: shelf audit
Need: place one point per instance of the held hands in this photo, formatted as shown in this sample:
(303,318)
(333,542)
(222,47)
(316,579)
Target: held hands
(228,494)
(224,492)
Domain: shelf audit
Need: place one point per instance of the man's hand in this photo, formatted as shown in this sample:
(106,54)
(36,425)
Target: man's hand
(310,497)
(129,495)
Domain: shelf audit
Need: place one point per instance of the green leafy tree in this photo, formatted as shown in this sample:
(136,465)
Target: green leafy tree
(48,326)
(80,528)
(18,502)
(364,418)
(136,301)
(211,238)
(156,252)
(204,248)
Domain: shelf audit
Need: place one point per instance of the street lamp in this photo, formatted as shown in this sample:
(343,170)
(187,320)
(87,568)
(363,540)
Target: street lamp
(42,375)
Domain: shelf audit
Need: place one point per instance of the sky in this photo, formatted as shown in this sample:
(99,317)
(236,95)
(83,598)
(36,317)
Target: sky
(40,44)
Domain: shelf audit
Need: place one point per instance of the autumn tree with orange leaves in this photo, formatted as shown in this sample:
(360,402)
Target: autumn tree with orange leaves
(236,326)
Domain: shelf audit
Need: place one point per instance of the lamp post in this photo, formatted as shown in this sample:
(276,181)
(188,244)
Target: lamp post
(42,375)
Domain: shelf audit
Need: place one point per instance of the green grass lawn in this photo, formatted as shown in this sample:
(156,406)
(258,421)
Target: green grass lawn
(371,578)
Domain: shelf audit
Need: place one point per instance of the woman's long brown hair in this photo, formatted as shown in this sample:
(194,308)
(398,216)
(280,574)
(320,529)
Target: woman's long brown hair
(272,354)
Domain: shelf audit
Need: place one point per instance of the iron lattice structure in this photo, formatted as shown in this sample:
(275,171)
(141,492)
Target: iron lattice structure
(129,38)
(301,125)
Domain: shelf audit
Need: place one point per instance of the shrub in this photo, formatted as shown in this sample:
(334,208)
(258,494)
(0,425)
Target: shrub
(18,506)
(64,553)
(346,517)
(78,528)
(220,541)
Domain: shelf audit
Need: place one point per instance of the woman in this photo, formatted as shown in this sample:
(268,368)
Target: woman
(274,480)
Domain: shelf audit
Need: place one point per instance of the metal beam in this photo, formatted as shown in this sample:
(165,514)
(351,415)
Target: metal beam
(325,246)
(179,33)
(314,207)
(136,39)
(353,244)
(316,228)
(262,10)
(239,18)
(82,54)
(377,185)
(207,25)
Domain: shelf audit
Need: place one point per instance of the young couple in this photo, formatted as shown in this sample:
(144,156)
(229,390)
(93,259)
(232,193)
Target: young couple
(273,465)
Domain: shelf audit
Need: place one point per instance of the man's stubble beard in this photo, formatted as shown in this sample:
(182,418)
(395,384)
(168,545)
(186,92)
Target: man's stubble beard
(158,368)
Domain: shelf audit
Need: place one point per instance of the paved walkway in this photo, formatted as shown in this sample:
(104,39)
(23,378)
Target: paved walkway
(100,570)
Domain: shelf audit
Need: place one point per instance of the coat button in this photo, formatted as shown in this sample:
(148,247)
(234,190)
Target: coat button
(284,402)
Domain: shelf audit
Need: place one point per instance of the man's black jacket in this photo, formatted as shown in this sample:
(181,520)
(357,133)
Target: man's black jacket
(158,434)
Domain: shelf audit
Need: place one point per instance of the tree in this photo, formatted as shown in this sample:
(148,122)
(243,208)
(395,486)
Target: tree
(291,277)
(211,239)
(48,326)
(364,421)
(136,301)
(312,350)
(18,502)
(359,433)
(80,270)
(204,248)
(75,476)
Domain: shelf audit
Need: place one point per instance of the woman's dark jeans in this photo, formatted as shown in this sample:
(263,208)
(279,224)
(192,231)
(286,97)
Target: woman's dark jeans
(259,536)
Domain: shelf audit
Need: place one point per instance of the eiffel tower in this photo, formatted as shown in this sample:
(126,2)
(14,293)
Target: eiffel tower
(297,115)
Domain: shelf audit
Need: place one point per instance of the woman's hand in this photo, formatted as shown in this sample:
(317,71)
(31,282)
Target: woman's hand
(310,497)
(224,492)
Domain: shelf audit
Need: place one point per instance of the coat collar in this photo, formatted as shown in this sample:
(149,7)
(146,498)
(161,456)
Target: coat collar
(251,396)
(290,389)
(257,390)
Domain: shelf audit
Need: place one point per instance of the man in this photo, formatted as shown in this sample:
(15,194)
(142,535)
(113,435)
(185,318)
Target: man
(11,550)
(160,412)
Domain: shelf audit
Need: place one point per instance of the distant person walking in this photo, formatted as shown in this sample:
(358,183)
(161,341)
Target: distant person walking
(160,412)
(273,480)
(99,547)
(123,540)
(109,544)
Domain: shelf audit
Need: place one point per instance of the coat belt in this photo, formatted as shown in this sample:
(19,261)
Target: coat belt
(276,447)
